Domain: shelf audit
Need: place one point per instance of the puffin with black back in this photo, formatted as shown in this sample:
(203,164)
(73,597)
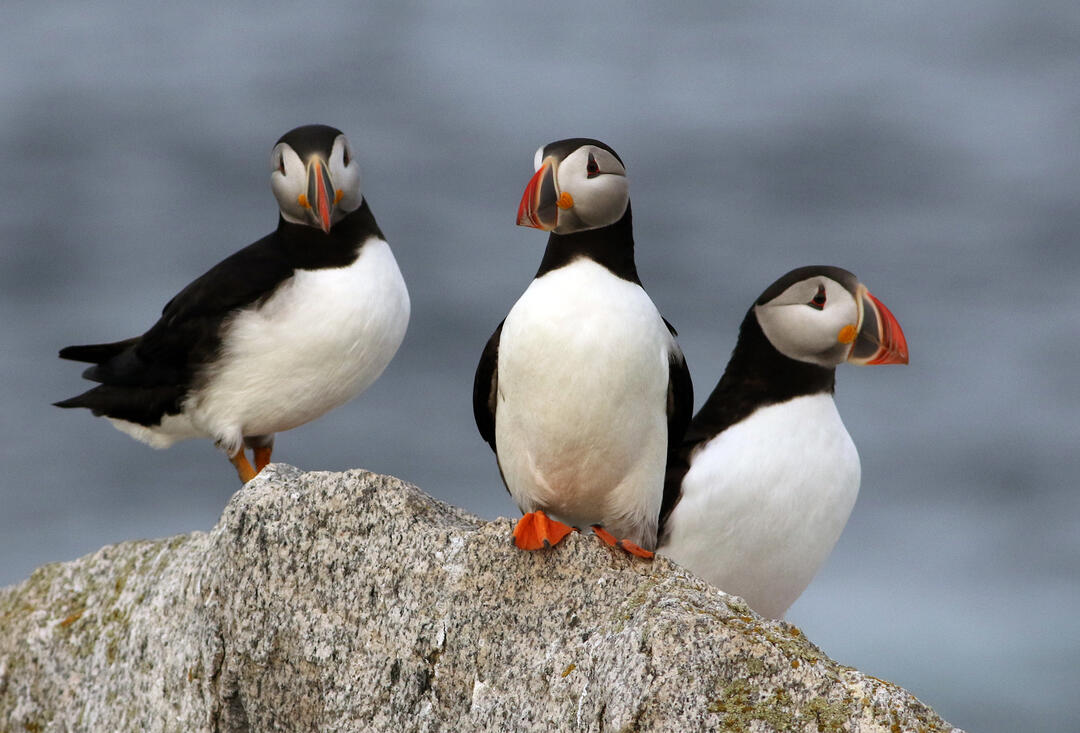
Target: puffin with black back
(273,336)
(582,389)
(766,476)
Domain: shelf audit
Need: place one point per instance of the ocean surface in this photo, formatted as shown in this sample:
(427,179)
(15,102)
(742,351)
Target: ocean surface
(930,148)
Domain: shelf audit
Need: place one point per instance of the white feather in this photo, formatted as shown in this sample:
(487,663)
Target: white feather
(320,340)
(171,429)
(581,423)
(764,502)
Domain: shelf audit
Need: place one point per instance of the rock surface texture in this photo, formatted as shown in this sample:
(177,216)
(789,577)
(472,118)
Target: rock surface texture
(355,602)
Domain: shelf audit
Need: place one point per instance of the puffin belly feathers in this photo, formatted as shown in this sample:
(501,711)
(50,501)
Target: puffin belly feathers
(582,396)
(765,501)
(322,338)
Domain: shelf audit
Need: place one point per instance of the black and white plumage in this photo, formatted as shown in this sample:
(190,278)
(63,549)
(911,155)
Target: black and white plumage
(582,389)
(273,336)
(767,475)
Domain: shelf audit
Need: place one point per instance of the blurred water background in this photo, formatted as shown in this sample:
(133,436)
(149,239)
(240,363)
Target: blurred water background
(931,148)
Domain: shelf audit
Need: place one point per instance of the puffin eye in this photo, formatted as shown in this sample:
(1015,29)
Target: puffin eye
(345,156)
(818,301)
(281,164)
(592,170)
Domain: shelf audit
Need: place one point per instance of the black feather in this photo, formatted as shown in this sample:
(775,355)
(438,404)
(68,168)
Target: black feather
(142,405)
(486,388)
(680,404)
(611,246)
(95,353)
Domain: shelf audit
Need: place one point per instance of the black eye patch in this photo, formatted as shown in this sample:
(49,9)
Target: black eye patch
(592,169)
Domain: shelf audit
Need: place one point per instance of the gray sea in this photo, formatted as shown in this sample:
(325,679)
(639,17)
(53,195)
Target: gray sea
(931,148)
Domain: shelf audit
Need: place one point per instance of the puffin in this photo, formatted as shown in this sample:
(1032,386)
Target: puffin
(583,390)
(763,483)
(273,336)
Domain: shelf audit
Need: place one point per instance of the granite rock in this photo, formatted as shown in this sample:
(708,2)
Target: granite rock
(355,602)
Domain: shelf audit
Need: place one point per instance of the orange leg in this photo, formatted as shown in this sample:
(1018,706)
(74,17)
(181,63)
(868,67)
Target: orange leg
(626,545)
(243,467)
(262,456)
(535,531)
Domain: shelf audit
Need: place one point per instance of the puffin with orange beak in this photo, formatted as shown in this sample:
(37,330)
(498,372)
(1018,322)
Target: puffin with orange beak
(582,390)
(273,336)
(763,483)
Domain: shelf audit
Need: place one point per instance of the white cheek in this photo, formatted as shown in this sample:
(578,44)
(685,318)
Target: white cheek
(601,201)
(348,181)
(801,332)
(287,192)
(840,315)
(808,331)
(288,186)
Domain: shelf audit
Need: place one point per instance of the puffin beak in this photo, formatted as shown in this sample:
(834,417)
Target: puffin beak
(880,340)
(320,194)
(538,208)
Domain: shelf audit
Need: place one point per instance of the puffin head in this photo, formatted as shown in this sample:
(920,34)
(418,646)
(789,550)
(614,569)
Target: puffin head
(314,176)
(825,316)
(579,184)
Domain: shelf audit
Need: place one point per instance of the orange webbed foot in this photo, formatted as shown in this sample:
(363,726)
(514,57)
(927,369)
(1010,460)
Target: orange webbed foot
(625,545)
(536,531)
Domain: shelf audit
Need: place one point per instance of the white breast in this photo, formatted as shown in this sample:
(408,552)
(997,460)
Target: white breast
(322,339)
(581,424)
(765,501)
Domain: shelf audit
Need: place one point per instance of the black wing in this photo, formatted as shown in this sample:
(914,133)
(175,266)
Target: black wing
(680,405)
(145,377)
(250,276)
(238,280)
(486,388)
(680,408)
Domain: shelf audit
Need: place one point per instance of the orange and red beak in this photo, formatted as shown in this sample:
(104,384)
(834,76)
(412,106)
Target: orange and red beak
(539,204)
(880,340)
(320,194)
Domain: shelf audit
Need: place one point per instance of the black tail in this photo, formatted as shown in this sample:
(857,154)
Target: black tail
(95,353)
(88,399)
(77,401)
(143,405)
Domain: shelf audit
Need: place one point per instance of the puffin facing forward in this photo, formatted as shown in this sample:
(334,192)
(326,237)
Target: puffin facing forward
(582,389)
(762,486)
(273,336)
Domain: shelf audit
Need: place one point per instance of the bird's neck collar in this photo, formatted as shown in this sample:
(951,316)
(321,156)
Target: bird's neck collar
(611,246)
